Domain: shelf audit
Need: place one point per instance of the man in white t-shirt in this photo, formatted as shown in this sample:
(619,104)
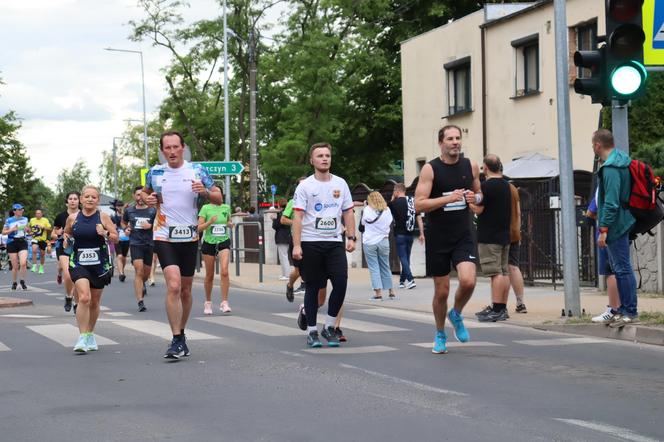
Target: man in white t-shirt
(174,188)
(320,202)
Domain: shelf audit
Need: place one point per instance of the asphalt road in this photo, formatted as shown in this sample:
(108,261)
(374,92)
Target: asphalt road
(250,377)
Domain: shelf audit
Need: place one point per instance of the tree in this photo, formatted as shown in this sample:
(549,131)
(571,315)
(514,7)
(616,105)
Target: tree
(70,180)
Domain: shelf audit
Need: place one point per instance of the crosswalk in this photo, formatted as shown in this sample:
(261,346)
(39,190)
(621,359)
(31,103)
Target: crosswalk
(274,325)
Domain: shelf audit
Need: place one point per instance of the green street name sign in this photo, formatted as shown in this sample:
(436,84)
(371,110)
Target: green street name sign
(221,168)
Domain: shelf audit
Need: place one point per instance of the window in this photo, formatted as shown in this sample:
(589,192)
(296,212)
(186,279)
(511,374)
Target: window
(527,65)
(458,86)
(586,40)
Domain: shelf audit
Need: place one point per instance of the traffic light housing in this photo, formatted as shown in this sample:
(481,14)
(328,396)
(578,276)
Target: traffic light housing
(625,73)
(596,85)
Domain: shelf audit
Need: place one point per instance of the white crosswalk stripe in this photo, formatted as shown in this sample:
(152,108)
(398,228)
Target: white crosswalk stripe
(3,347)
(19,316)
(251,325)
(159,329)
(453,344)
(353,324)
(560,341)
(117,314)
(350,350)
(65,334)
(424,318)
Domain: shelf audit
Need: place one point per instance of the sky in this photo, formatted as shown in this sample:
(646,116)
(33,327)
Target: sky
(72,96)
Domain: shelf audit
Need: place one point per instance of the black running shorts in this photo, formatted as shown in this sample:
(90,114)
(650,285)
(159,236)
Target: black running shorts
(41,244)
(143,253)
(80,272)
(122,248)
(296,262)
(181,254)
(214,249)
(443,253)
(322,260)
(17,246)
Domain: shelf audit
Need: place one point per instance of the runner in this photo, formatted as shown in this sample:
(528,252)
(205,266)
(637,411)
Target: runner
(39,226)
(16,228)
(287,220)
(447,186)
(320,202)
(215,221)
(122,247)
(90,264)
(73,206)
(155,262)
(174,188)
(137,222)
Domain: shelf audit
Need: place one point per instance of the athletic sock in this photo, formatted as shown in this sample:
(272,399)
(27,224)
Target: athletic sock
(311,328)
(330,321)
(497,307)
(177,337)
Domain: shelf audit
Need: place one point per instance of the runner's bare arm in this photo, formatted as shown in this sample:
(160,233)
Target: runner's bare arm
(202,225)
(297,234)
(474,196)
(148,196)
(349,222)
(424,185)
(286,221)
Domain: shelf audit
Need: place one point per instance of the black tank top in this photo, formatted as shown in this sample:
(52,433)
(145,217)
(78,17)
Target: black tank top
(452,219)
(90,249)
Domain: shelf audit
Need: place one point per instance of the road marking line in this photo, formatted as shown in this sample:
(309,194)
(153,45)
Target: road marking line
(424,318)
(250,325)
(159,329)
(417,385)
(3,347)
(31,288)
(26,316)
(117,314)
(291,353)
(65,334)
(349,350)
(560,341)
(622,433)
(353,324)
(53,294)
(460,344)
(103,308)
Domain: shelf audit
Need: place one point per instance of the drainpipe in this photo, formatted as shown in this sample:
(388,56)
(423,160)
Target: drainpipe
(484,137)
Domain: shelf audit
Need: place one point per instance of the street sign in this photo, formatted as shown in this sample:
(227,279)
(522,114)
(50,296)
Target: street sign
(653,26)
(222,168)
(273,188)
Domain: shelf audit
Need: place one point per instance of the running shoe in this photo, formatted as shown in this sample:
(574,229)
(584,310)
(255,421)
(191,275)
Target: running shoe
(402,285)
(622,320)
(290,296)
(34,268)
(59,278)
(75,306)
(122,277)
(460,332)
(411,284)
(494,316)
(175,350)
(91,342)
(145,290)
(41,269)
(68,303)
(141,306)
(376,298)
(605,318)
(340,335)
(439,343)
(224,307)
(185,348)
(521,308)
(207,308)
(23,286)
(302,318)
(14,285)
(484,311)
(312,339)
(331,337)
(151,282)
(81,345)
(300,290)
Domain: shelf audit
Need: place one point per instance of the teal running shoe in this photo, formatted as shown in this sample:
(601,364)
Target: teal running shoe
(81,345)
(91,342)
(460,332)
(313,341)
(329,334)
(439,343)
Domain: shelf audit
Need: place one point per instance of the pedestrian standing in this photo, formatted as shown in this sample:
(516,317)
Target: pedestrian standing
(516,278)
(282,239)
(405,218)
(446,188)
(377,220)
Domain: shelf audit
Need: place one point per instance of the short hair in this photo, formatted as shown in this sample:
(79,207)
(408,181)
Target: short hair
(604,137)
(492,162)
(167,134)
(400,187)
(376,201)
(138,188)
(441,132)
(320,145)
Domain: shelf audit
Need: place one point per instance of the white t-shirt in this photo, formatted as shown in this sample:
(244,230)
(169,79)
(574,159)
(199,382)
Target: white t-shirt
(177,216)
(323,203)
(377,231)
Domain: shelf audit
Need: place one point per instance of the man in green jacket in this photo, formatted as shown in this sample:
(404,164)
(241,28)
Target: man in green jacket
(615,221)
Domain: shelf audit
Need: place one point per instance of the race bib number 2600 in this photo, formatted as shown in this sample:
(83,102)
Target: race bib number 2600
(327,226)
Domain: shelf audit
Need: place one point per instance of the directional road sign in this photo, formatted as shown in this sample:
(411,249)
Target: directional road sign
(273,188)
(221,168)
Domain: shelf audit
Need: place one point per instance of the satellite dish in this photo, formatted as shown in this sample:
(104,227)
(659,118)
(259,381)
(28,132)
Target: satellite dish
(187,155)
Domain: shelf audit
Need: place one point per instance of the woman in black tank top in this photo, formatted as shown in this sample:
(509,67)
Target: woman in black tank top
(89,265)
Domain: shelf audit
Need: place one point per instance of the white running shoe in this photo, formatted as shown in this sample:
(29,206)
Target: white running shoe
(410,284)
(207,308)
(605,318)
(224,307)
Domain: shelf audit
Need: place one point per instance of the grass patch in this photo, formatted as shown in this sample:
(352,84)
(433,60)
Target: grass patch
(585,319)
(651,318)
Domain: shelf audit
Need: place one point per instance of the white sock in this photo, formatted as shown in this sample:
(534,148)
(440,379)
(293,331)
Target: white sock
(311,328)
(330,321)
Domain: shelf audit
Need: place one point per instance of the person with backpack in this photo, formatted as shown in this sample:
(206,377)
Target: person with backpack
(402,208)
(615,221)
(375,227)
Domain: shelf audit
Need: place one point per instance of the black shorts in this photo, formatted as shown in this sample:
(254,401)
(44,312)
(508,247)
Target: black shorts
(513,257)
(60,251)
(41,244)
(17,246)
(296,262)
(322,260)
(443,253)
(214,249)
(122,248)
(80,272)
(143,252)
(181,254)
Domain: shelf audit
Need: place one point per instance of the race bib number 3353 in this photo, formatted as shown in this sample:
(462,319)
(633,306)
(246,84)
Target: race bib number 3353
(89,256)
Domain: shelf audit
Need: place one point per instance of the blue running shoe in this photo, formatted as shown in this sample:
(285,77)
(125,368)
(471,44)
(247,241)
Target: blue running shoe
(329,334)
(175,350)
(460,332)
(184,346)
(81,345)
(312,340)
(439,343)
(91,342)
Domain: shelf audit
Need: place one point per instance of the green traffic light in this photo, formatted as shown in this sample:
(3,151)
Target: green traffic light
(628,78)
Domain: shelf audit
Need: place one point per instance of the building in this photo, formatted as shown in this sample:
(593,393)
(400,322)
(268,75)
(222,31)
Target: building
(493,74)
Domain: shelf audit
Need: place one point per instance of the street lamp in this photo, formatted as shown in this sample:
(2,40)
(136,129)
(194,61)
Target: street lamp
(145,124)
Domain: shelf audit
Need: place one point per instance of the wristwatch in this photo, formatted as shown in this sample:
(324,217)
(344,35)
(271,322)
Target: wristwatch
(352,238)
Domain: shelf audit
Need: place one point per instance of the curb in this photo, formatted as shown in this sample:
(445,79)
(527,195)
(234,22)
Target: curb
(632,333)
(14,302)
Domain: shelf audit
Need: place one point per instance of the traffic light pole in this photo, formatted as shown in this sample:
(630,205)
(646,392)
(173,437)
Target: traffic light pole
(620,124)
(568,218)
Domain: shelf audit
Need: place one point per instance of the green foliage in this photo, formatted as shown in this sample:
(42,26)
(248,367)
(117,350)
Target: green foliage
(652,154)
(69,180)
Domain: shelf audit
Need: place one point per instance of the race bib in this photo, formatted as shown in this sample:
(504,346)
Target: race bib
(326,226)
(456,205)
(181,233)
(20,233)
(89,257)
(218,230)
(142,222)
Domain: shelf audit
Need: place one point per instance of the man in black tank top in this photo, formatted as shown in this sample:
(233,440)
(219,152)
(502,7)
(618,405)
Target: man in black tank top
(448,186)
